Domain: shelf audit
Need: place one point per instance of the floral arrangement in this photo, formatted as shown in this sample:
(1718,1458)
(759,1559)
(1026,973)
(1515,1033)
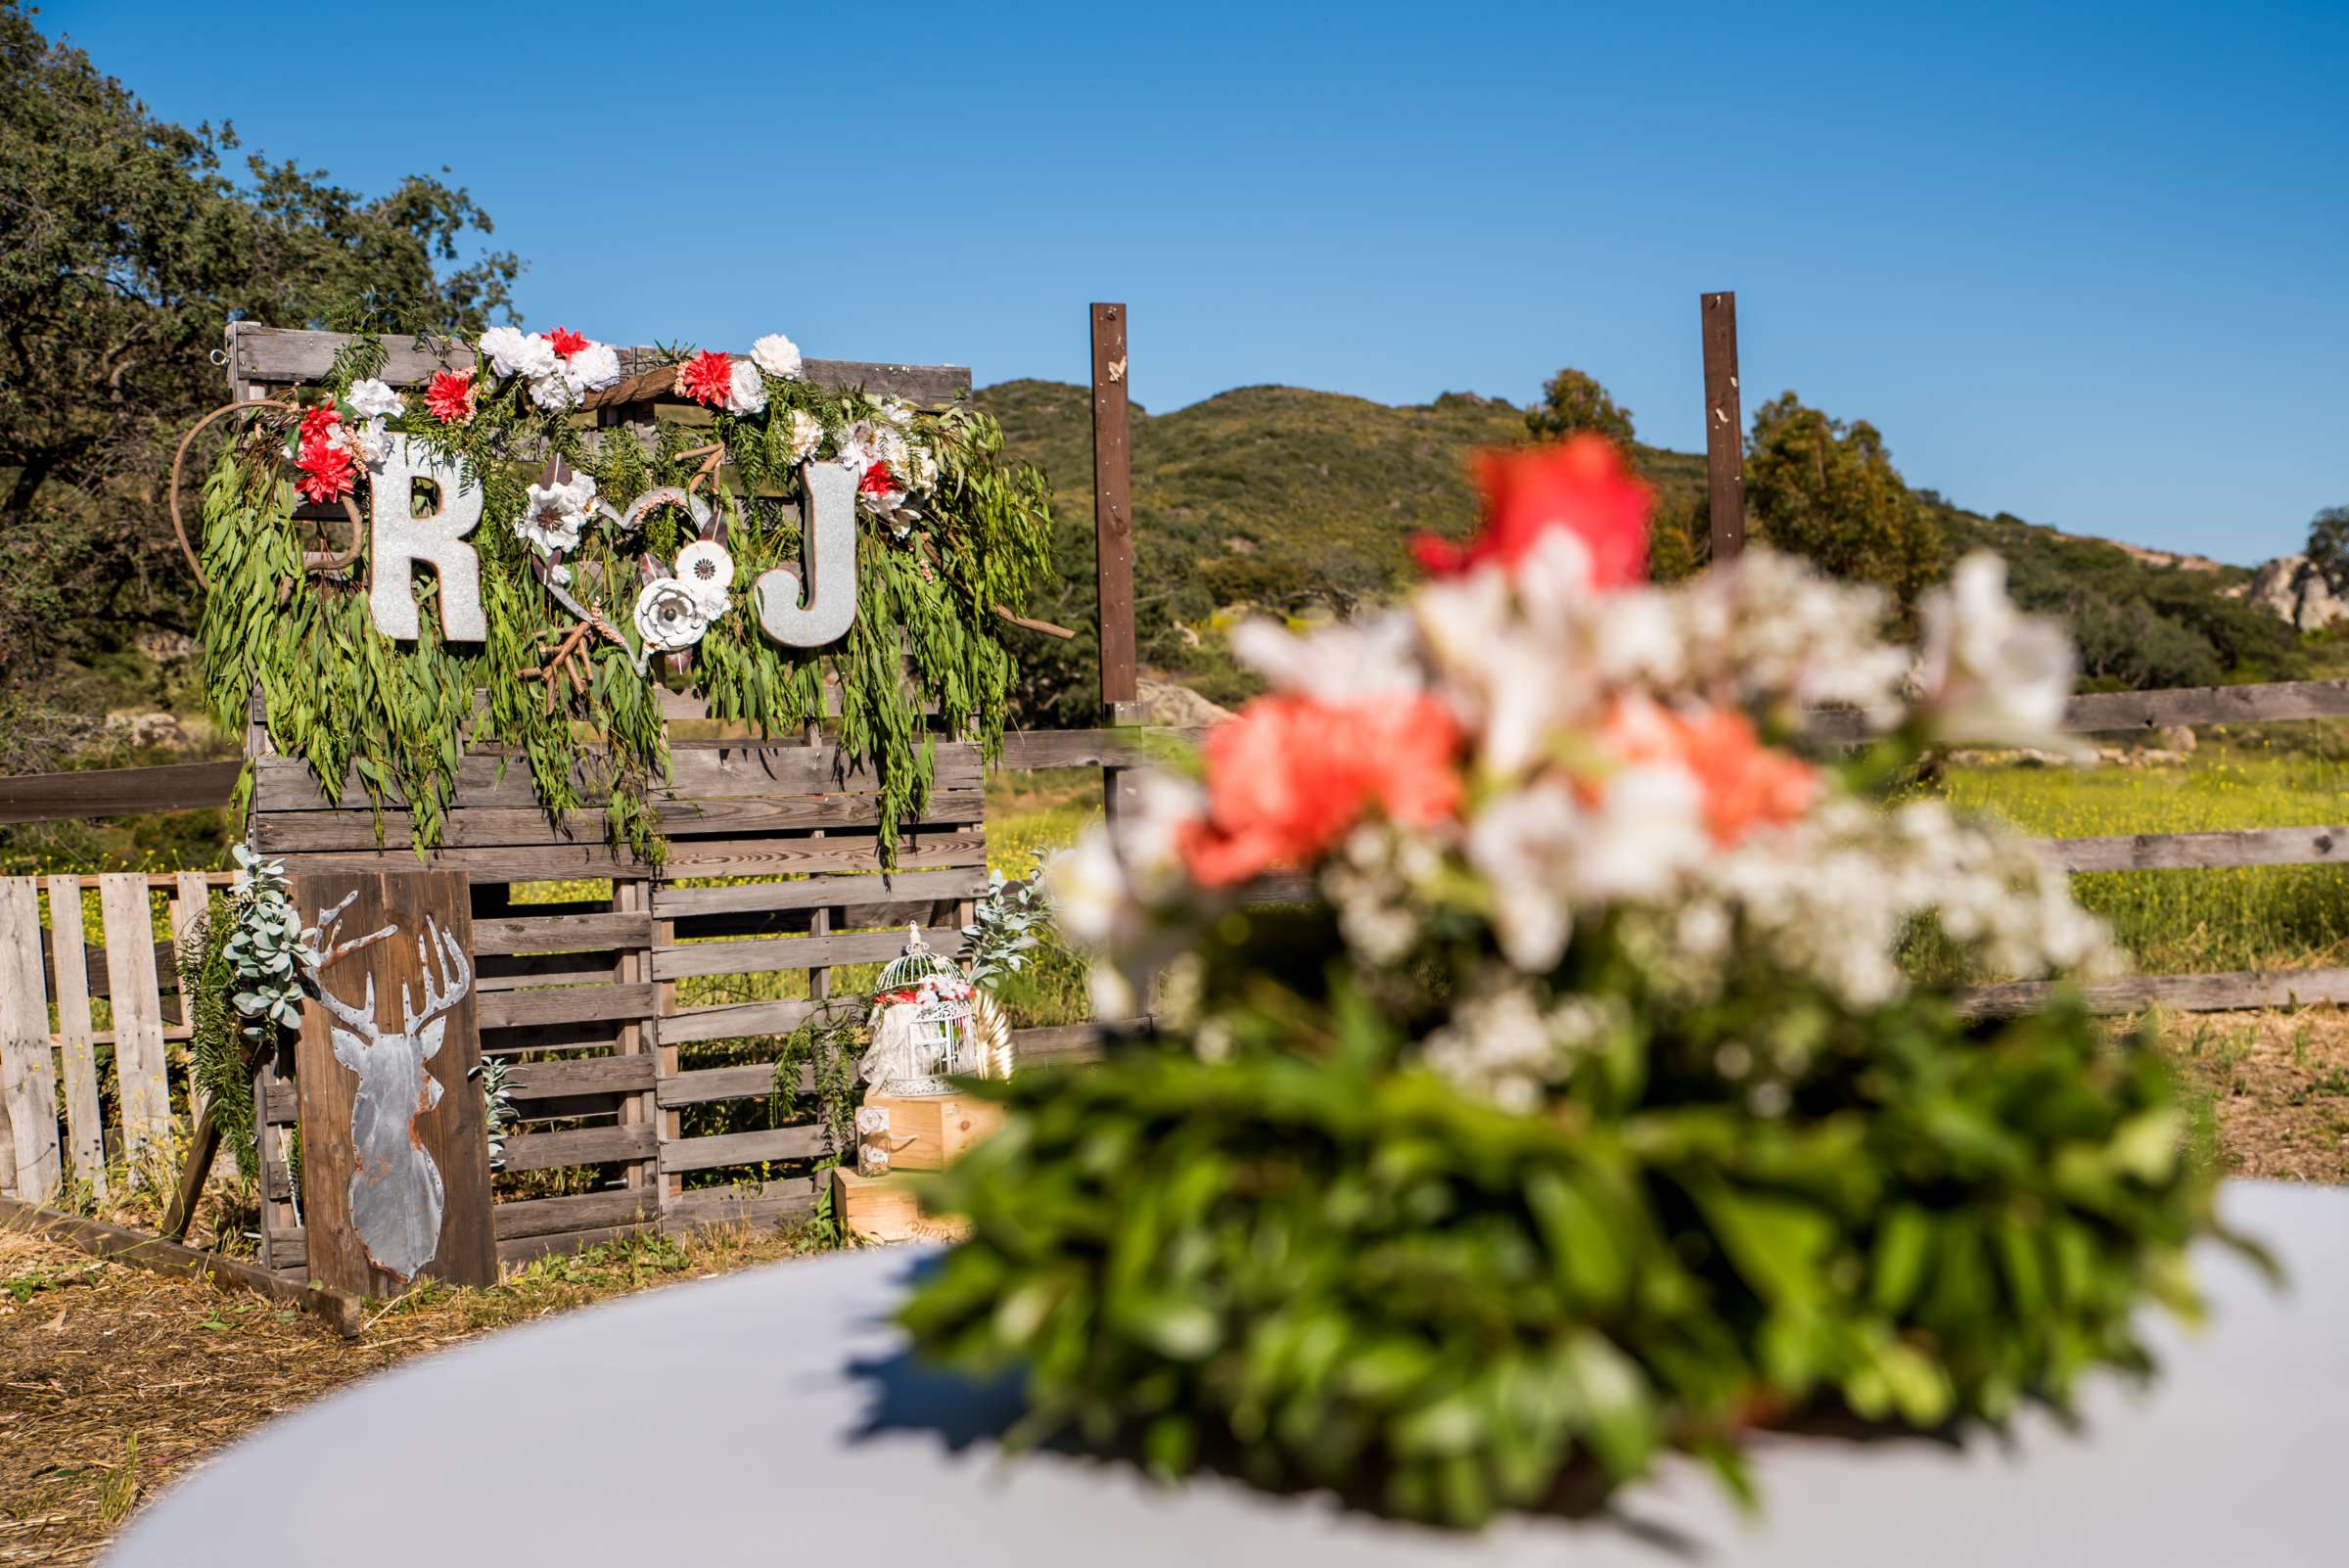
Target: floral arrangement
(1590,1111)
(591,603)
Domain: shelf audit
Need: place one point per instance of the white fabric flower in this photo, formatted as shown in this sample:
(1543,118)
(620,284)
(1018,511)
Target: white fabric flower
(777,355)
(1989,672)
(554,392)
(369,441)
(554,515)
(514,352)
(708,572)
(373,399)
(669,617)
(592,368)
(807,432)
(746,389)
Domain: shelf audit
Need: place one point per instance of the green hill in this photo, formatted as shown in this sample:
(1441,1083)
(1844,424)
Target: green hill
(1304,503)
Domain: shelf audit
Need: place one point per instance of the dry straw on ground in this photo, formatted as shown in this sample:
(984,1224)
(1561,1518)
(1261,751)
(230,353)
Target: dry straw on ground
(114,1382)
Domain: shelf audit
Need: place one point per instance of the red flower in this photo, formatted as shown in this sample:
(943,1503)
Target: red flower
(1291,776)
(565,342)
(706,378)
(1581,485)
(450,395)
(327,472)
(318,423)
(1747,784)
(878,481)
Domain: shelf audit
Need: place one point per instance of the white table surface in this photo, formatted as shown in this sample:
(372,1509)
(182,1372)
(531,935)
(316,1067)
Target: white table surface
(773,1416)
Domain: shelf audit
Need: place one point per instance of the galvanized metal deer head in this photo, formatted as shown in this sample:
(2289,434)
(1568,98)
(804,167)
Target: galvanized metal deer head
(396,1195)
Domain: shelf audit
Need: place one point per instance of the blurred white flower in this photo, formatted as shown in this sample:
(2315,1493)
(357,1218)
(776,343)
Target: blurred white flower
(1988,673)
(1375,656)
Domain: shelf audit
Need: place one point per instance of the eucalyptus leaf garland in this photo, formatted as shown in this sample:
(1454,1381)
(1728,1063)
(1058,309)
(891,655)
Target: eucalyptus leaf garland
(398,719)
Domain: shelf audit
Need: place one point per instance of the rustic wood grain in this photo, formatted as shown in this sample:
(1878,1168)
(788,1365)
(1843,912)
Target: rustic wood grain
(2194,993)
(768,1203)
(764,954)
(1724,425)
(586,1146)
(565,1004)
(590,1211)
(117,792)
(498,827)
(732,1021)
(2163,851)
(278,356)
(30,1156)
(1026,751)
(85,1126)
(452,1134)
(573,933)
(741,1148)
(592,1074)
(814,892)
(141,1086)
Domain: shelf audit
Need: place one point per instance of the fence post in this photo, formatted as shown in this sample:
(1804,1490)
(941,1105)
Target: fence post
(1113,534)
(1724,426)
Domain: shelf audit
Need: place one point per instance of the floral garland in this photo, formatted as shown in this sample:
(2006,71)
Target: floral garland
(591,603)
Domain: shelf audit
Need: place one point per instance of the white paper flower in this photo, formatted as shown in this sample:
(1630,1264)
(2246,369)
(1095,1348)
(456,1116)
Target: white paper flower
(374,399)
(669,617)
(553,515)
(554,392)
(369,441)
(592,368)
(777,355)
(514,352)
(807,431)
(708,572)
(745,389)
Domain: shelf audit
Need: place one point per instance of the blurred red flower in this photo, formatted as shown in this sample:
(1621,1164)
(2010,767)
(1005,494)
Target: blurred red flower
(1581,485)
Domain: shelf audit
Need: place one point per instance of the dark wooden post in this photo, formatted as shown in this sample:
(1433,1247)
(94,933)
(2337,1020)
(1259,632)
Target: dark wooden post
(1113,533)
(379,1146)
(1724,426)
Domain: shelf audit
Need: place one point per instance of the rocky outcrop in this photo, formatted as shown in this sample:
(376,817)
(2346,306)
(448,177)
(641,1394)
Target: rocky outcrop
(2292,588)
(1165,703)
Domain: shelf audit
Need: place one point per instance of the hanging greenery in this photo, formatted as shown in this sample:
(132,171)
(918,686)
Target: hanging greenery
(587,605)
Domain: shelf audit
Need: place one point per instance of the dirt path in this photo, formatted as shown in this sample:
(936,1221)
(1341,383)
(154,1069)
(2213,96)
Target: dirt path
(2278,1087)
(115,1381)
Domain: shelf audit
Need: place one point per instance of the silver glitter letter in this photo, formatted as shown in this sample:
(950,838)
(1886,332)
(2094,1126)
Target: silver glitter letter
(831,535)
(401,541)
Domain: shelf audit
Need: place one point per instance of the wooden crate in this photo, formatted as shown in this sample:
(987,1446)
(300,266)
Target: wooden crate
(930,1132)
(887,1209)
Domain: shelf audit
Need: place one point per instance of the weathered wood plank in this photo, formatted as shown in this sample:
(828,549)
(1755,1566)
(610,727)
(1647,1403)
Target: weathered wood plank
(573,933)
(1056,1045)
(495,972)
(761,954)
(565,1004)
(587,1074)
(490,776)
(116,791)
(586,1145)
(546,1217)
(471,827)
(2165,851)
(85,1126)
(710,1084)
(277,356)
(741,1148)
(753,857)
(2194,993)
(732,1021)
(767,1203)
(535,863)
(145,1092)
(1025,751)
(671,902)
(1724,424)
(30,1156)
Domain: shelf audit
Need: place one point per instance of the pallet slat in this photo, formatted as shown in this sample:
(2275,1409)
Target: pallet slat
(502,1010)
(85,1127)
(139,1062)
(30,1160)
(741,1148)
(764,954)
(586,1145)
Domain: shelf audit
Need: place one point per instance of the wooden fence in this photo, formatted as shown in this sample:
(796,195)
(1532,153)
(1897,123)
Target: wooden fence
(645,1108)
(97,1020)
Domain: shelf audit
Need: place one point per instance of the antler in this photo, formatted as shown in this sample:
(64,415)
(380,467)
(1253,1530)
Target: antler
(333,951)
(360,1018)
(455,974)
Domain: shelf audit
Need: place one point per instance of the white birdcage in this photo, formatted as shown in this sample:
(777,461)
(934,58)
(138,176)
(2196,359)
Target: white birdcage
(922,1029)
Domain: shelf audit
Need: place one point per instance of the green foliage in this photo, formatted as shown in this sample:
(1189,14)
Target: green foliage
(400,718)
(2328,546)
(1572,403)
(1315,1265)
(825,1047)
(131,243)
(220,1049)
(1826,491)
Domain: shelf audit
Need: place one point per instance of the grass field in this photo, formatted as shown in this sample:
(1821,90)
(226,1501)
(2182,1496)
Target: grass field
(2179,922)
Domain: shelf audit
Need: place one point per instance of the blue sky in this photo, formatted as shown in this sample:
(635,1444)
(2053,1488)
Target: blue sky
(2082,263)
